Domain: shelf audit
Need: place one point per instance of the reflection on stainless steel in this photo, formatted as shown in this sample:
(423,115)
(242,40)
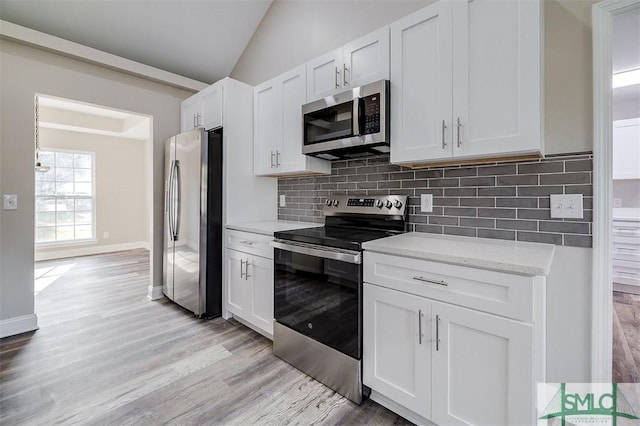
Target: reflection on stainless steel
(319,251)
(338,371)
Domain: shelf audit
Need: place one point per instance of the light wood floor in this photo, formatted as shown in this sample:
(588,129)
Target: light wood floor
(104,354)
(626,337)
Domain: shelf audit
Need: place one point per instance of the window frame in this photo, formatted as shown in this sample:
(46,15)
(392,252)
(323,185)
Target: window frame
(74,241)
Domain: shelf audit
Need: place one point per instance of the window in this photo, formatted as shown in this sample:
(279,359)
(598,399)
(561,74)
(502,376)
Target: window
(65,197)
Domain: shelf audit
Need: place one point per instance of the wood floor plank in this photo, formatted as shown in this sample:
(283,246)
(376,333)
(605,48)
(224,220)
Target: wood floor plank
(105,354)
(626,337)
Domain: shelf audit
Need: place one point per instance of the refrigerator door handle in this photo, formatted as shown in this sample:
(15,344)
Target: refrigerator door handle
(169,202)
(176,229)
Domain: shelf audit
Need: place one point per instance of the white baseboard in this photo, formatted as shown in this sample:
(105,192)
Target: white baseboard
(51,253)
(18,325)
(154,293)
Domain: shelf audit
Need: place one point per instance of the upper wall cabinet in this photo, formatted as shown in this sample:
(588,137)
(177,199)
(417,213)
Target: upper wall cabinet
(466,81)
(626,149)
(360,62)
(278,127)
(204,109)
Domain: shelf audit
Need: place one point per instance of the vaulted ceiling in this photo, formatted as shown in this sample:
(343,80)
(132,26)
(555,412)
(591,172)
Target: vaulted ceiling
(199,39)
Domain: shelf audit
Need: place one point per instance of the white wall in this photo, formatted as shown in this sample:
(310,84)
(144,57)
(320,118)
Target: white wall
(25,71)
(121,189)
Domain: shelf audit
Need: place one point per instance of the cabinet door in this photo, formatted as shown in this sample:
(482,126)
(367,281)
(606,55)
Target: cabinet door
(261,294)
(496,70)
(482,369)
(293,90)
(626,149)
(212,107)
(396,359)
(236,282)
(266,127)
(190,113)
(367,59)
(421,86)
(324,75)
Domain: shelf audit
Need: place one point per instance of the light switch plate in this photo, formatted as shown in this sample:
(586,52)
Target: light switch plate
(566,206)
(617,202)
(10,202)
(426,203)
(283,201)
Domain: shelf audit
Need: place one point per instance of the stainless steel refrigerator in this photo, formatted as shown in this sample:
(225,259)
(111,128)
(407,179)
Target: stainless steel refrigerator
(193,221)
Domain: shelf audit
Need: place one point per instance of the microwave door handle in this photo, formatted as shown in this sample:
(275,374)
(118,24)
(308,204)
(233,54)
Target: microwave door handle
(356,115)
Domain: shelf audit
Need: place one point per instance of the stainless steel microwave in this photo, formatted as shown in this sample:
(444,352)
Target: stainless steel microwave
(350,124)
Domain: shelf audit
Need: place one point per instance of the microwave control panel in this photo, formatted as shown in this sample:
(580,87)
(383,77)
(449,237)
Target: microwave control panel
(371,114)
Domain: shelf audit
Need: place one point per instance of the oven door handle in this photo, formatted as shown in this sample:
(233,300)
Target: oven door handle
(333,254)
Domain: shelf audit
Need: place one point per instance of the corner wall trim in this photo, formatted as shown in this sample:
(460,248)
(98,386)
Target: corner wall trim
(18,325)
(48,254)
(154,293)
(24,35)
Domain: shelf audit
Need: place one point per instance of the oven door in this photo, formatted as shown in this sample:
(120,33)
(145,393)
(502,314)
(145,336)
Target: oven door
(318,293)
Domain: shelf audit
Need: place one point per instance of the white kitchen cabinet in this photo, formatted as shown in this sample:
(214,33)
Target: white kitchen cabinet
(452,344)
(278,127)
(626,149)
(249,279)
(482,369)
(626,255)
(362,61)
(397,342)
(204,109)
(466,81)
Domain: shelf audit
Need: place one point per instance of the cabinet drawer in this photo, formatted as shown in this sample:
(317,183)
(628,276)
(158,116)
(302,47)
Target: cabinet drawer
(494,292)
(626,251)
(625,272)
(248,242)
(626,229)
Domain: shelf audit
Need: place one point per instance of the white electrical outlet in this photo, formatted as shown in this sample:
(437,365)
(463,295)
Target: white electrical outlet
(283,201)
(10,202)
(617,202)
(566,206)
(426,203)
(105,235)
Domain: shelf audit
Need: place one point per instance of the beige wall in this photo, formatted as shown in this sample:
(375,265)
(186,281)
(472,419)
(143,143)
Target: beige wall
(121,184)
(23,73)
(293,32)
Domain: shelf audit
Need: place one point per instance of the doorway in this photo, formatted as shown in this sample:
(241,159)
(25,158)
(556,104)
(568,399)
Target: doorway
(604,17)
(93,188)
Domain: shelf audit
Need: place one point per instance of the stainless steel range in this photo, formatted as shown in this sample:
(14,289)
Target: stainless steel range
(318,289)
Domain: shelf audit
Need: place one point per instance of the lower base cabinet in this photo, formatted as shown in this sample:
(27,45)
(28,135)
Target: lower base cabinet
(448,364)
(249,283)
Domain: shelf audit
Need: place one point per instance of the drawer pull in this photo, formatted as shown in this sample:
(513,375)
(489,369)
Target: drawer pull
(427,280)
(634,230)
(625,249)
(629,274)
(249,243)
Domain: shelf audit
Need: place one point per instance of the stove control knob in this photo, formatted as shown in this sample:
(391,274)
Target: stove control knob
(388,204)
(397,204)
(379,204)
(328,203)
(336,202)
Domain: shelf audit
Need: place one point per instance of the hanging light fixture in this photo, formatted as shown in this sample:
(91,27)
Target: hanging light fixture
(39,167)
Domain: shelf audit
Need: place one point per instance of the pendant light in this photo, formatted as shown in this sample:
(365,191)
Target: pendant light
(39,167)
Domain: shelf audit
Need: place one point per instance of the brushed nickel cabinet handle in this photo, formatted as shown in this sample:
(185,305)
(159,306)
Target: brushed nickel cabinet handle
(419,326)
(437,332)
(249,243)
(444,143)
(241,272)
(427,280)
(336,77)
(277,158)
(459,126)
(246,270)
(272,156)
(344,74)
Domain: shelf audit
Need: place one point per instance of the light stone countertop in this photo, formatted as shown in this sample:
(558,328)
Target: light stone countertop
(498,255)
(269,227)
(627,214)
